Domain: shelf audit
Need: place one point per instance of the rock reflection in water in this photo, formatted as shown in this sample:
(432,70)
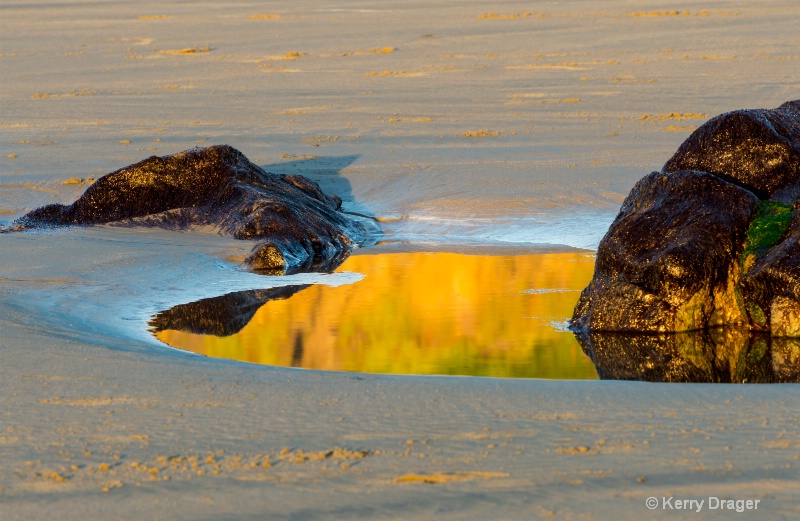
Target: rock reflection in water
(718,355)
(219,316)
(413,313)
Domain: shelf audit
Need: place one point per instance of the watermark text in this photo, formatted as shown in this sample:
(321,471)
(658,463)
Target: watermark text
(698,505)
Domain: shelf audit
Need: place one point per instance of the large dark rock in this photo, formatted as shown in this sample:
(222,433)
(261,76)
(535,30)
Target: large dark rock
(299,228)
(705,242)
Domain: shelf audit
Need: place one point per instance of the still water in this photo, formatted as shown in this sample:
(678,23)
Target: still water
(412,313)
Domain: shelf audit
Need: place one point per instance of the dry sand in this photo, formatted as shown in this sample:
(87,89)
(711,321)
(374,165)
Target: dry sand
(492,123)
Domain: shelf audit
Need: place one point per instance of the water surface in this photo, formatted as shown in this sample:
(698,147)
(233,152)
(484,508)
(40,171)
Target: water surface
(412,313)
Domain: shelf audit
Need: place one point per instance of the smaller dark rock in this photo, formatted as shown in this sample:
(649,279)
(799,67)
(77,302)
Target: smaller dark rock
(299,228)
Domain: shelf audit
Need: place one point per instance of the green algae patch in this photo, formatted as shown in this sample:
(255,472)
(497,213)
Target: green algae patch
(770,225)
(757,314)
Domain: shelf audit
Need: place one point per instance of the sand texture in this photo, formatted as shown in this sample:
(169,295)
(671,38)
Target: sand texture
(458,125)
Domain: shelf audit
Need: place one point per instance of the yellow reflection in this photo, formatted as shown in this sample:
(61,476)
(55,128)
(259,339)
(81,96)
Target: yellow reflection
(422,313)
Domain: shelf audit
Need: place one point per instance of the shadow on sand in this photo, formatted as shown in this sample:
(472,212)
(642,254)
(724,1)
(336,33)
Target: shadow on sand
(327,173)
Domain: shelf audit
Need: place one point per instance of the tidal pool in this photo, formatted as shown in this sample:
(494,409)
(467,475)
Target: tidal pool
(412,313)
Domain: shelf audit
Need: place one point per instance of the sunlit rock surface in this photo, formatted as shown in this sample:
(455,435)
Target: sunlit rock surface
(758,148)
(669,260)
(712,240)
(299,228)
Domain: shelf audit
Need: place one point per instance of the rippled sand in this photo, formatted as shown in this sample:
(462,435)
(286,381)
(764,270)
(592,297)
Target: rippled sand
(459,124)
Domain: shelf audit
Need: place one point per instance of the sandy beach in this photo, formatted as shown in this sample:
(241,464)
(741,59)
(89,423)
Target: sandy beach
(466,127)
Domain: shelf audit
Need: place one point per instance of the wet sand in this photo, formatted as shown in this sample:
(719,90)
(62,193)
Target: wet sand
(489,126)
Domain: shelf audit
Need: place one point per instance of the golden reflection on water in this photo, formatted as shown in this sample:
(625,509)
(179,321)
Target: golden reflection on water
(422,313)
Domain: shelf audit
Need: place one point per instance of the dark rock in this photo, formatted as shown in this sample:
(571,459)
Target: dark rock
(759,149)
(221,316)
(669,261)
(720,355)
(299,227)
(698,249)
